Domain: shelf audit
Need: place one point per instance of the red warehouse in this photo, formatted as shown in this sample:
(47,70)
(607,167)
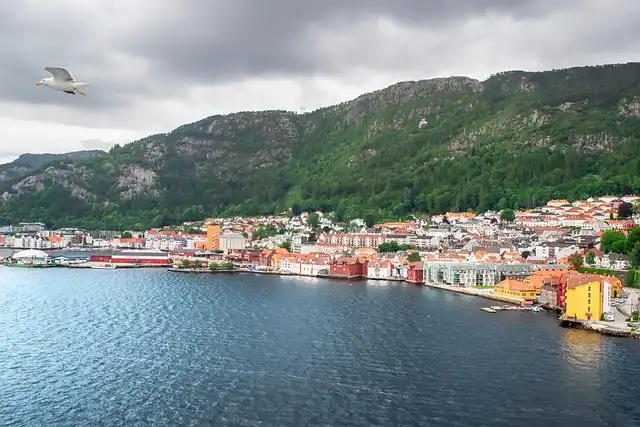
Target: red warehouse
(348,268)
(147,257)
(415,272)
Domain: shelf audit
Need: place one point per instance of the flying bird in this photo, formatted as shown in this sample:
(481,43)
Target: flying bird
(63,81)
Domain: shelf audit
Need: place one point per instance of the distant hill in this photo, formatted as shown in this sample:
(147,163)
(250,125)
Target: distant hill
(514,140)
(28,162)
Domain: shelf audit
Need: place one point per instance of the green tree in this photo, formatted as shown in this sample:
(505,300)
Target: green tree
(369,219)
(576,260)
(613,241)
(213,266)
(313,220)
(413,257)
(525,254)
(126,235)
(634,255)
(392,247)
(193,213)
(286,245)
(197,264)
(185,263)
(507,215)
(625,210)
(590,258)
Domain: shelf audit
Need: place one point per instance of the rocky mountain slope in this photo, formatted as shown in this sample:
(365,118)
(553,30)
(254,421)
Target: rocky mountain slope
(514,140)
(28,162)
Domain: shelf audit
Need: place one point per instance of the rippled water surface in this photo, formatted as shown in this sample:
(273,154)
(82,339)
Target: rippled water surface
(149,347)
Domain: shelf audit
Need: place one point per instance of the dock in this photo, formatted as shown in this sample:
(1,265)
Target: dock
(497,308)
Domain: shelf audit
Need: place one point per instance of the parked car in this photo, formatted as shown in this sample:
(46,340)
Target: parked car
(609,317)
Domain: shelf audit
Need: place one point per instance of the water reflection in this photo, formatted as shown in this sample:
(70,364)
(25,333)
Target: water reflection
(583,349)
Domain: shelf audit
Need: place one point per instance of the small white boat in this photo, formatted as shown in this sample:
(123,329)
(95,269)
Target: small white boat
(104,266)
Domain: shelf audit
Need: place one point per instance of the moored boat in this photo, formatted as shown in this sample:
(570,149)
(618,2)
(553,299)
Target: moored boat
(103,266)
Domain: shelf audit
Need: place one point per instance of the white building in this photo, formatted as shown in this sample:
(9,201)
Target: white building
(232,241)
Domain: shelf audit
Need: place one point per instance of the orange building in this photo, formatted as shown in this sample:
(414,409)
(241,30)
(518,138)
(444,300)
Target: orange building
(514,288)
(213,238)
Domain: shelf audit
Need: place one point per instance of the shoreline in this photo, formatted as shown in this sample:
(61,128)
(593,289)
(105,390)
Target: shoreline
(590,326)
(600,328)
(474,293)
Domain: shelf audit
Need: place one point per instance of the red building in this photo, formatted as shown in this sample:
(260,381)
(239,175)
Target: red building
(250,256)
(562,291)
(145,257)
(415,272)
(266,257)
(101,256)
(349,268)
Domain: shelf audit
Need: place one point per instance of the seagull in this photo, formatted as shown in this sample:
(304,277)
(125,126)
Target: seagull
(62,80)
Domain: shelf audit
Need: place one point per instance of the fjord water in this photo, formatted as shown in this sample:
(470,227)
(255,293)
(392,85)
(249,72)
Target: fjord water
(149,347)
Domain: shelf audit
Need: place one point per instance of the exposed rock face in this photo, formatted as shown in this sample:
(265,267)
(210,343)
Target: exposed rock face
(29,162)
(630,108)
(594,143)
(66,178)
(357,159)
(135,180)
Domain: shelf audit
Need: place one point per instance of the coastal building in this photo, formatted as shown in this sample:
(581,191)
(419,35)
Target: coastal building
(144,257)
(583,297)
(132,256)
(415,272)
(515,288)
(473,274)
(213,238)
(250,256)
(348,268)
(550,292)
(314,265)
(380,269)
(231,241)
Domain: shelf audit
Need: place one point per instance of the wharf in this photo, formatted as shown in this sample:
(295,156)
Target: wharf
(118,265)
(329,276)
(475,293)
(599,327)
(235,270)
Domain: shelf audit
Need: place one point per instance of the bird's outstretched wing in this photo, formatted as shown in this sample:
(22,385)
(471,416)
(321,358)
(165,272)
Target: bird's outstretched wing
(60,74)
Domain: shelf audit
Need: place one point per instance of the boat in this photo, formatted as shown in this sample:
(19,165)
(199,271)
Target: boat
(104,266)
(488,310)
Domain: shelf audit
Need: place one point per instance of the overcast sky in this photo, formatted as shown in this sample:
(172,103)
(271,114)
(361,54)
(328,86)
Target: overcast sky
(157,64)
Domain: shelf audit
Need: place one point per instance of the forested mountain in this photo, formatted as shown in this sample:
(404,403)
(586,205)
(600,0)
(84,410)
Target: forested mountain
(447,144)
(28,162)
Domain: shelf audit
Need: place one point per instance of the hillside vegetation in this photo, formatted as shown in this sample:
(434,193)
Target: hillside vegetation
(448,144)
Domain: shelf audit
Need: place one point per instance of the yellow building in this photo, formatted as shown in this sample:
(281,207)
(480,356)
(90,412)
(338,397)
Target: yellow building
(583,298)
(514,288)
(616,286)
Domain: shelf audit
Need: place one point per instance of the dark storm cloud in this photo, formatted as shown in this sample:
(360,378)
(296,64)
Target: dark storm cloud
(213,40)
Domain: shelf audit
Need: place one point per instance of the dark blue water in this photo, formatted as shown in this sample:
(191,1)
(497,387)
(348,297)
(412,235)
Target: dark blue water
(152,348)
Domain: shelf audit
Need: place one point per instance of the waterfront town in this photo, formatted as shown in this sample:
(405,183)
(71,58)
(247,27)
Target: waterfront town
(552,256)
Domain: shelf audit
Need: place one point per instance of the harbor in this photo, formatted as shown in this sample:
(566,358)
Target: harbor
(513,308)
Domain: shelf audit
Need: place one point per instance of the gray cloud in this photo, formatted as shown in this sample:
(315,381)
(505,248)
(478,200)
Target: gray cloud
(143,56)
(215,40)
